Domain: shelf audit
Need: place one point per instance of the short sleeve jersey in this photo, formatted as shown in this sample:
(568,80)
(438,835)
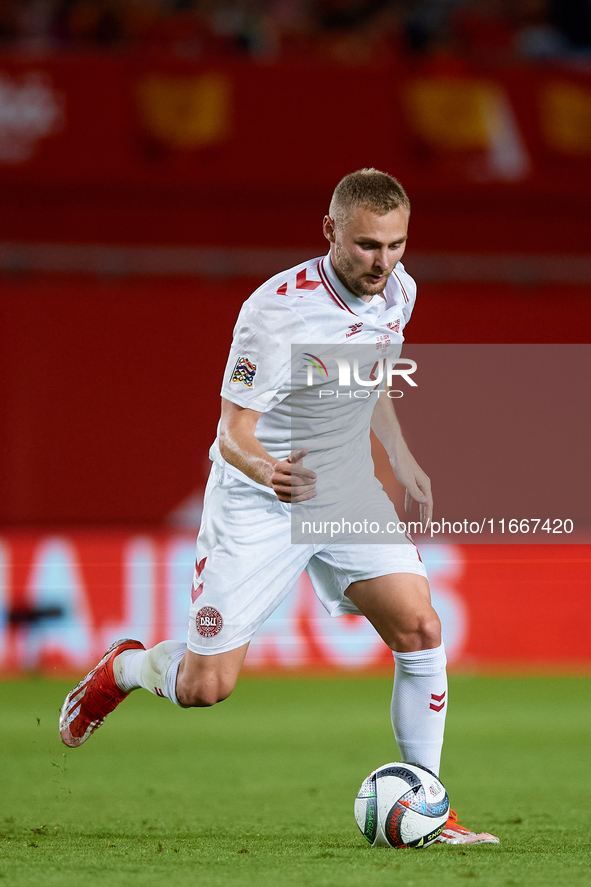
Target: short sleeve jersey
(306,304)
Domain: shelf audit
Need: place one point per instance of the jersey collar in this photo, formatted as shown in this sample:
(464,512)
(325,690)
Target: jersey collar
(338,291)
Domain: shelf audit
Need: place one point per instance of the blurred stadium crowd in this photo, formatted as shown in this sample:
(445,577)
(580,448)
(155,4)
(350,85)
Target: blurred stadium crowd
(499,32)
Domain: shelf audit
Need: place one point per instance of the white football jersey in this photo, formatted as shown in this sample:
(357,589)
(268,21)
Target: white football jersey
(308,307)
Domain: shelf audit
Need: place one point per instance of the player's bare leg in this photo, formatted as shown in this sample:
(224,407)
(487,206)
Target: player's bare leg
(205,680)
(399,607)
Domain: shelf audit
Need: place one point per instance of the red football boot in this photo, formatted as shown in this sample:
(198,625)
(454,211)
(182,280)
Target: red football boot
(454,833)
(88,704)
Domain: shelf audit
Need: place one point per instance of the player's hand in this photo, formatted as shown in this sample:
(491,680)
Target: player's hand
(418,487)
(291,481)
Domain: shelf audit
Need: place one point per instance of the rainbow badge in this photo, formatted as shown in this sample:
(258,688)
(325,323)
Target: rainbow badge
(244,372)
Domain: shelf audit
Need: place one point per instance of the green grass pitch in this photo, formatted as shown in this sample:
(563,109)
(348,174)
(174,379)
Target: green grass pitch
(259,790)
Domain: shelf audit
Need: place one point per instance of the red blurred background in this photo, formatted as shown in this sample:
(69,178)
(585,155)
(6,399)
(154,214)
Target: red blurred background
(154,170)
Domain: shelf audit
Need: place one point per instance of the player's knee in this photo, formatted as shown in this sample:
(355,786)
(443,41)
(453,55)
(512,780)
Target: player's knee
(429,631)
(421,631)
(204,693)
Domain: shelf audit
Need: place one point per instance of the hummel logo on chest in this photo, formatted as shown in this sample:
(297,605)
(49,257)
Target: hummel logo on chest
(354,328)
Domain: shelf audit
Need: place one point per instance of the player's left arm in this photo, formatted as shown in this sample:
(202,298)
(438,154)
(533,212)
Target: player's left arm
(406,470)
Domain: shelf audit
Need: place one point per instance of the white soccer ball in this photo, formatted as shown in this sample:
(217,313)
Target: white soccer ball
(401,805)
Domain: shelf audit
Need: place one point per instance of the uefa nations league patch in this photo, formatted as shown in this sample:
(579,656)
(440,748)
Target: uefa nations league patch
(208,622)
(244,372)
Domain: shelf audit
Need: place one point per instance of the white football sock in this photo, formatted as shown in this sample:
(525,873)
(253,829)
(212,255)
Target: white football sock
(419,706)
(154,670)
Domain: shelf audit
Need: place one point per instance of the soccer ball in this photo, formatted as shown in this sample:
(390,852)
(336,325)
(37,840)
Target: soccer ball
(401,805)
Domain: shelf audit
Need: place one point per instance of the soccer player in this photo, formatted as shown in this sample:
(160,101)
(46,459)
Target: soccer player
(246,560)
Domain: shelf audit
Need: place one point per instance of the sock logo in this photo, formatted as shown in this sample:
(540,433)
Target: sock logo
(437,699)
(208,622)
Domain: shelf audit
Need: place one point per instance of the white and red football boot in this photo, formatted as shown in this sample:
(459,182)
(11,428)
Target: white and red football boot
(88,704)
(454,833)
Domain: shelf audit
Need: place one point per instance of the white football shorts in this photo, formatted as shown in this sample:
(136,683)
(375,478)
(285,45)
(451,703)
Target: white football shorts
(246,564)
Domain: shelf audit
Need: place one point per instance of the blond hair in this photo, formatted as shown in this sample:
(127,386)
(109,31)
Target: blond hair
(374,190)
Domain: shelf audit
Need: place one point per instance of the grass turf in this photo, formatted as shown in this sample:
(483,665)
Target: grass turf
(259,790)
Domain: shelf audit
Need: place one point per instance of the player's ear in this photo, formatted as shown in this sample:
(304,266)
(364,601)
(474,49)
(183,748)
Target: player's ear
(328,229)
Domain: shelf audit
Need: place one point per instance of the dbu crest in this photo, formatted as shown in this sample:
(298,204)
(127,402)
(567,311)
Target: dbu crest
(208,622)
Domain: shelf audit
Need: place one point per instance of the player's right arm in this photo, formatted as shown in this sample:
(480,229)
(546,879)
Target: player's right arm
(239,447)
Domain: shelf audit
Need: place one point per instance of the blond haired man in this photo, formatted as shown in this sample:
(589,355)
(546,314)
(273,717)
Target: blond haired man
(246,560)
